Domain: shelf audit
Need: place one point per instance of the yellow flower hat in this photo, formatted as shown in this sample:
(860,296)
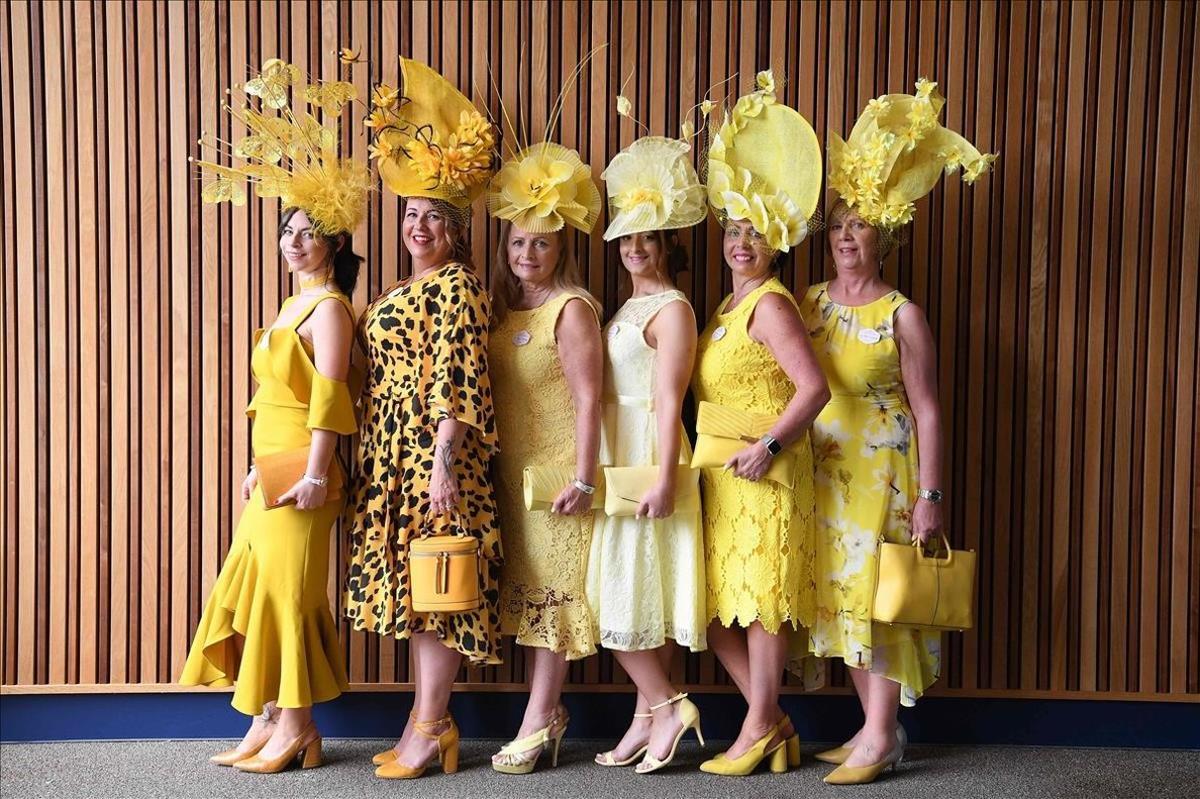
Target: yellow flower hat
(429,140)
(652,185)
(764,165)
(896,153)
(544,187)
(289,154)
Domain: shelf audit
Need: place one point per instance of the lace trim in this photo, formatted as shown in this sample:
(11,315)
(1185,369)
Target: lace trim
(652,639)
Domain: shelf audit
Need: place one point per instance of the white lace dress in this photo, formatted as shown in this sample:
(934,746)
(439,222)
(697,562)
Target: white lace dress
(645,579)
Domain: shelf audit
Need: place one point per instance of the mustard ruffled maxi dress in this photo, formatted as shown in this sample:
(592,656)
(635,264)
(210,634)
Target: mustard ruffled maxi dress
(271,588)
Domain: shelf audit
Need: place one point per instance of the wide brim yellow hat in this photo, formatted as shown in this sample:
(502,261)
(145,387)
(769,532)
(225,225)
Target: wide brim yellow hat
(896,154)
(652,185)
(764,165)
(544,187)
(430,140)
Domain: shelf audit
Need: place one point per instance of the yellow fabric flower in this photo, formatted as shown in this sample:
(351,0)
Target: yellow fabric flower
(765,81)
(384,96)
(652,185)
(544,187)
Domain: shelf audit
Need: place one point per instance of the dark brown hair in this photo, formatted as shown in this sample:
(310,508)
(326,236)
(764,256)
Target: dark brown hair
(345,262)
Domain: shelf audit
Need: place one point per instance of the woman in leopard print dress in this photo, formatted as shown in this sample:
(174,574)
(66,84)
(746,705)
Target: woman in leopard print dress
(428,434)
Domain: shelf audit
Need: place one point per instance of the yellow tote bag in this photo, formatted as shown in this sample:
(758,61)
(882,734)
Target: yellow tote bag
(934,592)
(543,484)
(722,432)
(625,485)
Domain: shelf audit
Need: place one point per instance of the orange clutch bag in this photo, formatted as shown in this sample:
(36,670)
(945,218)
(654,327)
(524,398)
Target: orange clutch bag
(279,471)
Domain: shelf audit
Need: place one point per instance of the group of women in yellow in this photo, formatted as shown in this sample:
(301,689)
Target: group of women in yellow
(765,555)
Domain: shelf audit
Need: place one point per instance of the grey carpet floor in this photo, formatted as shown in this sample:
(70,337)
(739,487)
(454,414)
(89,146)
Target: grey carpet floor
(179,770)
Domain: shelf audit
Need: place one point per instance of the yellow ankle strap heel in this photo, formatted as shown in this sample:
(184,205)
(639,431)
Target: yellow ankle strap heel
(689,719)
(447,754)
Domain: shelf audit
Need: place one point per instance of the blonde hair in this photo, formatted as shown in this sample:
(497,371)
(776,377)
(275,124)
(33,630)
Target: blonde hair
(506,287)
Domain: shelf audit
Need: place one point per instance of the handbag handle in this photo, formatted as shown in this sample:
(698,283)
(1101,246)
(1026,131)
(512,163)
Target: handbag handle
(916,542)
(455,520)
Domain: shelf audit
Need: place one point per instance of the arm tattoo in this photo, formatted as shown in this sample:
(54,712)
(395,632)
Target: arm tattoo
(445,454)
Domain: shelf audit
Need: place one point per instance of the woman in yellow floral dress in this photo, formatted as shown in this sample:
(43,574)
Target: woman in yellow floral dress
(546,357)
(878,443)
(428,432)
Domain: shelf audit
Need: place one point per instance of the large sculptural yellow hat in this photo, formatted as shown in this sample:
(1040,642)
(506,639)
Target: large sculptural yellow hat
(288,153)
(652,185)
(429,140)
(544,187)
(896,153)
(764,166)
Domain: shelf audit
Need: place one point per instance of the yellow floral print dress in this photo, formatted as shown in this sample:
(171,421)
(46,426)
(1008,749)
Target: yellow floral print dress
(543,594)
(865,446)
(758,536)
(271,589)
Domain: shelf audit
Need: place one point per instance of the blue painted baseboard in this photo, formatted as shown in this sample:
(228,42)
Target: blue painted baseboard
(52,717)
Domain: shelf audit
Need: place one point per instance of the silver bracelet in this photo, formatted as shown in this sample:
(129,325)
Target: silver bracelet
(582,486)
(317,481)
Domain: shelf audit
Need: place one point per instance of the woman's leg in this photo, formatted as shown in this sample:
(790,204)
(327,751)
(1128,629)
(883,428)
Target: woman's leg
(547,673)
(732,649)
(290,726)
(638,733)
(436,666)
(860,679)
(648,673)
(881,701)
(767,654)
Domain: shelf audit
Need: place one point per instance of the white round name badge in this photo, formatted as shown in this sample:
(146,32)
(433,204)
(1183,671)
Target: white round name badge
(869,335)
(521,338)
(718,334)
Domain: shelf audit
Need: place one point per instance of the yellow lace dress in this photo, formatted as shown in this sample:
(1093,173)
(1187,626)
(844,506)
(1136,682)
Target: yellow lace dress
(543,595)
(645,576)
(271,588)
(865,446)
(758,536)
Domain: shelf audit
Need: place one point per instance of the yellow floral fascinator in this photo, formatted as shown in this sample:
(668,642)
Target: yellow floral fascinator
(764,166)
(544,187)
(288,153)
(429,140)
(652,185)
(896,153)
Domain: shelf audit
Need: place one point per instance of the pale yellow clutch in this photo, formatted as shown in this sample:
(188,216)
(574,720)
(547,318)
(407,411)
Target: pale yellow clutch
(722,432)
(543,484)
(626,485)
(935,592)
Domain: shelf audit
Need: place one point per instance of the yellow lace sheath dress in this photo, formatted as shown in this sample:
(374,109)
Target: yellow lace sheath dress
(758,536)
(543,598)
(426,344)
(271,588)
(645,576)
(865,446)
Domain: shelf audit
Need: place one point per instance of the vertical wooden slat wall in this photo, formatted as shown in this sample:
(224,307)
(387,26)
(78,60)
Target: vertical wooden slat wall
(1062,291)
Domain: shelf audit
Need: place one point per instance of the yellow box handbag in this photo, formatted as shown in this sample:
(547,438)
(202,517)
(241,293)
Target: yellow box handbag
(543,484)
(444,573)
(722,432)
(625,486)
(933,592)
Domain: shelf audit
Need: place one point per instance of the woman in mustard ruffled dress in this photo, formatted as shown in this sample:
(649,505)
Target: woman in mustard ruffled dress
(878,443)
(267,627)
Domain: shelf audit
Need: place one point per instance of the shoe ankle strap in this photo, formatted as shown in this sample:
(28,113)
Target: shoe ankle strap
(425,728)
(643,715)
(679,696)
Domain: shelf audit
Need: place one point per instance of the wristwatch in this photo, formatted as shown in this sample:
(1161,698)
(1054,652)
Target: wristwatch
(773,446)
(934,495)
(317,481)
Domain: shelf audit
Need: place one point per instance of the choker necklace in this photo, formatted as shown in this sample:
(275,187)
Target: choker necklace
(315,282)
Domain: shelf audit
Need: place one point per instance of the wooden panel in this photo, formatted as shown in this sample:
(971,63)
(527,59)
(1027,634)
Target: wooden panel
(1062,292)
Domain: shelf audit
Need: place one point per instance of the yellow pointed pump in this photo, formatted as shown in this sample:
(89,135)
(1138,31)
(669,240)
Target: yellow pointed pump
(689,718)
(447,754)
(388,755)
(861,775)
(748,761)
(837,756)
(305,748)
(231,756)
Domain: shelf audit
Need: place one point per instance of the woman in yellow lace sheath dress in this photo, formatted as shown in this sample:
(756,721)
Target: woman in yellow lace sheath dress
(266,626)
(753,356)
(878,444)
(545,355)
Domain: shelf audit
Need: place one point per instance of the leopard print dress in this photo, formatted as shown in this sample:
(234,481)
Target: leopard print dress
(426,344)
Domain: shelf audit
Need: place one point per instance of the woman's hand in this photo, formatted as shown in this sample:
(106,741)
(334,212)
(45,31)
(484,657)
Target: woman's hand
(249,483)
(571,502)
(926,521)
(751,463)
(443,488)
(306,495)
(657,503)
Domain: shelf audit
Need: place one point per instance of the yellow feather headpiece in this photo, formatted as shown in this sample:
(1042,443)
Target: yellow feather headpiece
(764,166)
(896,153)
(289,154)
(429,139)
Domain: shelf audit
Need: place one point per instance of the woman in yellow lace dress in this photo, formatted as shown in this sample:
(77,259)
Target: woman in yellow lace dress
(546,357)
(754,356)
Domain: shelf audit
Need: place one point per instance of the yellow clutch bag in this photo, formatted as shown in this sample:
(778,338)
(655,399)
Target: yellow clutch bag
(444,573)
(722,432)
(933,592)
(279,471)
(543,484)
(625,486)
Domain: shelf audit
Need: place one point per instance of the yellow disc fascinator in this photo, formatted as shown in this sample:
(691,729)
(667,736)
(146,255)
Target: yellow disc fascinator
(288,153)
(544,187)
(896,153)
(764,166)
(652,185)
(429,139)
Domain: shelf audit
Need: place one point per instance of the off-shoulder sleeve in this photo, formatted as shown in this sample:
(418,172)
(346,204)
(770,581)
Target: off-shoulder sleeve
(459,385)
(330,406)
